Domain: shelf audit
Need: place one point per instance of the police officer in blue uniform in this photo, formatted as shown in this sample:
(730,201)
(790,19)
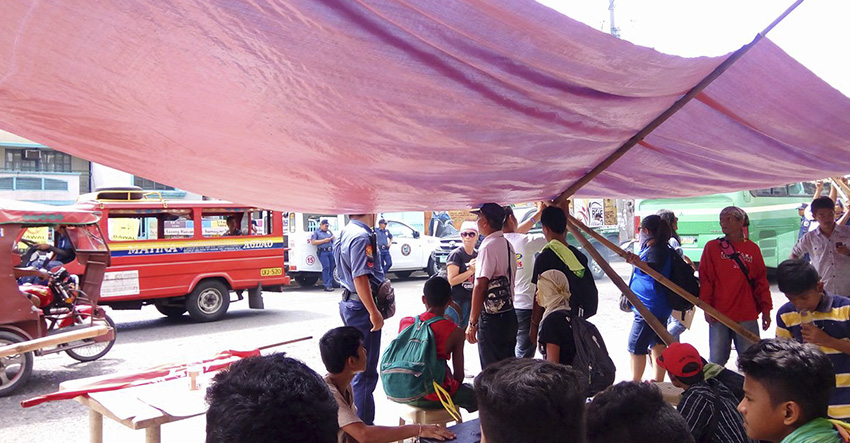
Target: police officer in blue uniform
(323,240)
(355,253)
(385,240)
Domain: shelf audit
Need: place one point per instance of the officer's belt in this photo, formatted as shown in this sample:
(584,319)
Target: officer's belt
(323,249)
(384,248)
(349,296)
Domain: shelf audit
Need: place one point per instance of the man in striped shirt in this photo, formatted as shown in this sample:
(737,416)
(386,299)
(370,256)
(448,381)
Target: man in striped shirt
(708,406)
(813,315)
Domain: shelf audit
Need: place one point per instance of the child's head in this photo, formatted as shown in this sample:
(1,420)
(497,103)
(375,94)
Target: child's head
(437,292)
(823,210)
(799,281)
(342,348)
(683,363)
(786,385)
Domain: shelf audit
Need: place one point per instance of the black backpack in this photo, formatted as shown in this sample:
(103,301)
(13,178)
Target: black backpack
(591,358)
(682,274)
(585,295)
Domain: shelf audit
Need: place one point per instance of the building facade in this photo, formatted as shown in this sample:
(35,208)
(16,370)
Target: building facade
(36,173)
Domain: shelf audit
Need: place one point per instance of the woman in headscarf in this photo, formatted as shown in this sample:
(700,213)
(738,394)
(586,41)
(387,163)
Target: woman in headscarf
(556,335)
(654,234)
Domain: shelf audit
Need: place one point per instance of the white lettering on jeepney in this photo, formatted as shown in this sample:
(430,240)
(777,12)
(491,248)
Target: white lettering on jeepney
(136,250)
(258,244)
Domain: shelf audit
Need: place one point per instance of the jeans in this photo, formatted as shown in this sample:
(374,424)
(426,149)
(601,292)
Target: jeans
(675,327)
(524,348)
(386,260)
(326,258)
(720,340)
(354,314)
(496,337)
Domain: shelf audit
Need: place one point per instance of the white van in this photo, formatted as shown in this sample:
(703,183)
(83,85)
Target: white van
(410,251)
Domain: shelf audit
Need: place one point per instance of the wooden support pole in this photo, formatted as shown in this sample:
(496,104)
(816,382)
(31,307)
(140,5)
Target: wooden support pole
(842,187)
(669,284)
(51,340)
(653,322)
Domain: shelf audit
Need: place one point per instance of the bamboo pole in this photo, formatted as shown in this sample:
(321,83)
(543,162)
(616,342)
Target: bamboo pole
(669,284)
(653,322)
(842,187)
(57,339)
(696,90)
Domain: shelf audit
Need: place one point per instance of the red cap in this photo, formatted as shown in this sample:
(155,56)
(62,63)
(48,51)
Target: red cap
(677,359)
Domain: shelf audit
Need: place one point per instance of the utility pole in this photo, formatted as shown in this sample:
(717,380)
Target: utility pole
(614,30)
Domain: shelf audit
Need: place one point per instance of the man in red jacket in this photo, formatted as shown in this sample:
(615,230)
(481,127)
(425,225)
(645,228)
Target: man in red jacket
(733,280)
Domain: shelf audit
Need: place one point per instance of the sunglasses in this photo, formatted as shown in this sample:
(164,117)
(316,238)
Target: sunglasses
(468,234)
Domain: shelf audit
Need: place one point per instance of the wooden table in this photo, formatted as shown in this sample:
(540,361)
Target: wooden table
(143,407)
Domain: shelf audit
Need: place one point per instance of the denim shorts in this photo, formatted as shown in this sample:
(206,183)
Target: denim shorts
(642,337)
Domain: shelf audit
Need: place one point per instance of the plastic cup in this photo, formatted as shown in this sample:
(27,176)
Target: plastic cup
(806,317)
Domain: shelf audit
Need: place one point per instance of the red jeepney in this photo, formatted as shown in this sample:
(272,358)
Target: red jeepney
(186,255)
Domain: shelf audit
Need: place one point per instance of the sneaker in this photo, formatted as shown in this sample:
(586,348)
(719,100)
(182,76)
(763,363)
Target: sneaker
(329,289)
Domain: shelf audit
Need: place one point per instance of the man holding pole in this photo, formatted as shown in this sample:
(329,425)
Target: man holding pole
(733,280)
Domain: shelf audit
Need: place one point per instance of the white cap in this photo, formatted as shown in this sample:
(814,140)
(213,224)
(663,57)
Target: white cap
(469,226)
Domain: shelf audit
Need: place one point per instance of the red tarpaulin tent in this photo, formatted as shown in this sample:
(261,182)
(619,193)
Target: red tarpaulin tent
(400,105)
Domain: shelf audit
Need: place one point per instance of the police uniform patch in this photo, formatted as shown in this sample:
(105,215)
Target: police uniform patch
(370,256)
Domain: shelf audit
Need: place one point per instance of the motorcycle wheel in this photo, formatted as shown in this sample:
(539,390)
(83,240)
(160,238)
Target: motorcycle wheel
(95,350)
(15,370)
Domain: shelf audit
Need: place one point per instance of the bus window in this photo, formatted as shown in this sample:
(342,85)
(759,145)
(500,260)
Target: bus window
(311,222)
(132,228)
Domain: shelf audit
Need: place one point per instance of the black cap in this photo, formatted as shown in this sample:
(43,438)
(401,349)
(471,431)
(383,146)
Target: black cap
(382,222)
(492,212)
(803,206)
(324,222)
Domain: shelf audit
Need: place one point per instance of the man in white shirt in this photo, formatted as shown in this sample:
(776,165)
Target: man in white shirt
(828,247)
(492,321)
(526,246)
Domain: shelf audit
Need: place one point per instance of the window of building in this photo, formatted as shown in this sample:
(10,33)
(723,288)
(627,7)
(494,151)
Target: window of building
(150,185)
(41,160)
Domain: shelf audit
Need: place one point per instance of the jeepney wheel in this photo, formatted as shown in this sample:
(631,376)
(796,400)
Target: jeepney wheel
(208,302)
(16,369)
(95,349)
(307,281)
(170,311)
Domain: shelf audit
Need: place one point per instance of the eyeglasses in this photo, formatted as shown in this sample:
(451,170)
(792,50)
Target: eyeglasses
(468,234)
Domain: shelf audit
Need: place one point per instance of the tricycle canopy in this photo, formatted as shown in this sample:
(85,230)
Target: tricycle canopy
(34,214)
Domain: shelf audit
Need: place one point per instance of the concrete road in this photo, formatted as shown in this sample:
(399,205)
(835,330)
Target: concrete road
(145,339)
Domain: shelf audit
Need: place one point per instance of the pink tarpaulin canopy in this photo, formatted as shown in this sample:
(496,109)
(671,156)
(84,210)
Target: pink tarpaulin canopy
(353,106)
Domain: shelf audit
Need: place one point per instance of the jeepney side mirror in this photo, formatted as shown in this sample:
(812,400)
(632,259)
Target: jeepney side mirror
(415,234)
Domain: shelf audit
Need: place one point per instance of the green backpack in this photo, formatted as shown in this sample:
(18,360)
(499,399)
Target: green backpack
(409,366)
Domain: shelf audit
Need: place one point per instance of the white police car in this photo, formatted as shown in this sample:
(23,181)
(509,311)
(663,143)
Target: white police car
(410,251)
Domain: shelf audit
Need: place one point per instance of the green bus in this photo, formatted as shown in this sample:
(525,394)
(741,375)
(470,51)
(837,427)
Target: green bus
(774,220)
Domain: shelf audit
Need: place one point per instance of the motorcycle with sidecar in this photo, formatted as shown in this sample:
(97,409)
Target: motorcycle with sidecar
(56,309)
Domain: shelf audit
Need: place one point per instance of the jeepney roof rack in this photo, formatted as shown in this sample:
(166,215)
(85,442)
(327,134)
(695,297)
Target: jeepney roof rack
(121,194)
